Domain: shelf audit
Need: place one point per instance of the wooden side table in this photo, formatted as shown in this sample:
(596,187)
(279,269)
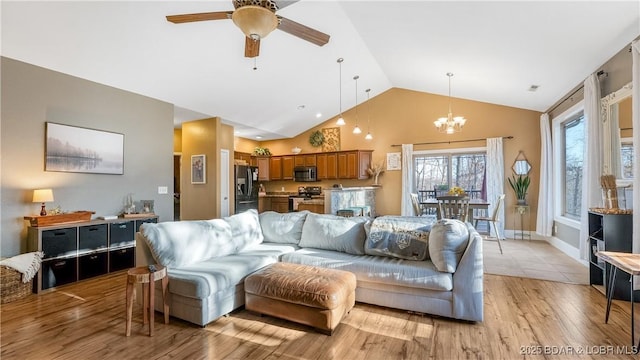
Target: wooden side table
(145,276)
(629,263)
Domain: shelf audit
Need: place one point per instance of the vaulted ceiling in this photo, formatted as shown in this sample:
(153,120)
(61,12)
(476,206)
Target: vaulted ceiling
(496,50)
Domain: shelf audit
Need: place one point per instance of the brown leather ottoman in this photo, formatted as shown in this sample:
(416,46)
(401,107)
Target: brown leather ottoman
(304,294)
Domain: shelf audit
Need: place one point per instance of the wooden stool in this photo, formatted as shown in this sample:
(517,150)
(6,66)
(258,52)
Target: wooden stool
(143,275)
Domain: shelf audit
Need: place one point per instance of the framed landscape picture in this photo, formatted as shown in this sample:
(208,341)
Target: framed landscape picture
(77,149)
(198,169)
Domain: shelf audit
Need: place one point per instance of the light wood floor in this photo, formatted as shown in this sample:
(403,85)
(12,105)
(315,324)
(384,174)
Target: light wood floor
(87,321)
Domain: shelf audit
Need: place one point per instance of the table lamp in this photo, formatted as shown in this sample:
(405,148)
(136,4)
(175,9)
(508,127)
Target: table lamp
(42,196)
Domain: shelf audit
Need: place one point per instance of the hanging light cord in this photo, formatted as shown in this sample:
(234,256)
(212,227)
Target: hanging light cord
(356,79)
(340,83)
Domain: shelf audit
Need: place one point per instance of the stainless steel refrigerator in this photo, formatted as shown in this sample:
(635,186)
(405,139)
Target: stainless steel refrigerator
(246,185)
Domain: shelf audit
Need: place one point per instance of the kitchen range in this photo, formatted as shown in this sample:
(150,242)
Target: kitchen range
(304,193)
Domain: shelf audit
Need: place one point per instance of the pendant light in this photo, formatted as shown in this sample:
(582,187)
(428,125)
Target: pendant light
(450,124)
(356,130)
(340,121)
(368,136)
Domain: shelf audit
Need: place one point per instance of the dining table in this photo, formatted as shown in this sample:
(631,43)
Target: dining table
(474,204)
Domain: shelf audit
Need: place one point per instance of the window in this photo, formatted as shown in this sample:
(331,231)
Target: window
(573,155)
(465,169)
(569,129)
(626,157)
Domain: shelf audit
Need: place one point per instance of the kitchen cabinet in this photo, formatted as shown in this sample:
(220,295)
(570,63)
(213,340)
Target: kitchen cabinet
(287,167)
(313,206)
(280,204)
(354,164)
(263,164)
(305,160)
(242,156)
(327,165)
(275,168)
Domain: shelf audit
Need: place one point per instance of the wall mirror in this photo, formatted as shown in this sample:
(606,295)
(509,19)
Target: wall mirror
(617,134)
(521,166)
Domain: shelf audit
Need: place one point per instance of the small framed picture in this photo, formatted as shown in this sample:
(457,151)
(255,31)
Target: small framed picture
(198,169)
(394,161)
(146,206)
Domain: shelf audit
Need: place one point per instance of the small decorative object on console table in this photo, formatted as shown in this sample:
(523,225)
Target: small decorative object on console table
(42,196)
(458,191)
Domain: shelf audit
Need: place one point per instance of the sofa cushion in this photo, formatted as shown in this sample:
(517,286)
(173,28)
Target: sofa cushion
(284,228)
(180,243)
(377,269)
(402,237)
(447,242)
(245,229)
(331,232)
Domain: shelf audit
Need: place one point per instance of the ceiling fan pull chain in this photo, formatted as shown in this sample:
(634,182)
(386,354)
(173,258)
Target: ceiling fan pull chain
(255,63)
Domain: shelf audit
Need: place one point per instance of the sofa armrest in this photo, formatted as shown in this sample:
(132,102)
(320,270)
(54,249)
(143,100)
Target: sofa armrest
(143,253)
(468,291)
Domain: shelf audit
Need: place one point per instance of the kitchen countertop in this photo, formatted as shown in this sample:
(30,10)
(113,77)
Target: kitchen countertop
(313,201)
(355,188)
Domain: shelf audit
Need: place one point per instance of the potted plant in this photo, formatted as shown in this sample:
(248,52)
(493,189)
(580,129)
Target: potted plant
(261,151)
(520,185)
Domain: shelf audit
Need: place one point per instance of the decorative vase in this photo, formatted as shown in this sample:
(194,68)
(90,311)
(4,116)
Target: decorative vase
(522,201)
(375,179)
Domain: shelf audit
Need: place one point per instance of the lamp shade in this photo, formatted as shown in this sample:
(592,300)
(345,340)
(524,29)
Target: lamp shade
(42,195)
(255,21)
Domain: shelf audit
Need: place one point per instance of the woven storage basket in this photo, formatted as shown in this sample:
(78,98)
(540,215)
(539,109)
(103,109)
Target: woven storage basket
(11,285)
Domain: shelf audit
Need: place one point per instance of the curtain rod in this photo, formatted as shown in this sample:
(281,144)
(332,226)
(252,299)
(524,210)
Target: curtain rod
(451,142)
(600,74)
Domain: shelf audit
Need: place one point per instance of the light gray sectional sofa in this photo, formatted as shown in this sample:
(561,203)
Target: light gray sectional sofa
(410,263)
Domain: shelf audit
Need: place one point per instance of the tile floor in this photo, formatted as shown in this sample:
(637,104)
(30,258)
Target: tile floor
(532,259)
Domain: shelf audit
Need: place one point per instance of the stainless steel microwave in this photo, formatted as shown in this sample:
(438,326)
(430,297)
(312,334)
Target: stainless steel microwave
(305,173)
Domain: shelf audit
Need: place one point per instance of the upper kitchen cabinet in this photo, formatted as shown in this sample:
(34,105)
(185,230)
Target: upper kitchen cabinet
(263,164)
(305,160)
(354,164)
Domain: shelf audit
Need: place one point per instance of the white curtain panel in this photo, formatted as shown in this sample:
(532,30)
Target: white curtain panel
(635,111)
(544,222)
(406,207)
(593,158)
(495,177)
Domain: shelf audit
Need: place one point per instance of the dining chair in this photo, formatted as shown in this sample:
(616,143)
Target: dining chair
(492,220)
(453,207)
(416,204)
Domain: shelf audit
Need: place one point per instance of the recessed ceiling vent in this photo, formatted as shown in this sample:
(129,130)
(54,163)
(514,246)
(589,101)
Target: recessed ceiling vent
(533,88)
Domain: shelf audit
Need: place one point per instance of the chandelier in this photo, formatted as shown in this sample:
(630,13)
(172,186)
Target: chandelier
(450,124)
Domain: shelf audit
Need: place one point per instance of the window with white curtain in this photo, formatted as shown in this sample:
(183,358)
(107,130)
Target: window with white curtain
(626,157)
(569,145)
(460,167)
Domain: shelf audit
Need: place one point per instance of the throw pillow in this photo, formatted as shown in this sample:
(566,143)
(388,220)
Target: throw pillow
(401,237)
(447,242)
(245,229)
(283,228)
(180,243)
(331,232)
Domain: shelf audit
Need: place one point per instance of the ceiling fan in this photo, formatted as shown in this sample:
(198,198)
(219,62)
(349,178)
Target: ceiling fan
(256,19)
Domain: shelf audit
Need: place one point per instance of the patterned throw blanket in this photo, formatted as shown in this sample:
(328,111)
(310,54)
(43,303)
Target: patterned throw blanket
(27,264)
(402,237)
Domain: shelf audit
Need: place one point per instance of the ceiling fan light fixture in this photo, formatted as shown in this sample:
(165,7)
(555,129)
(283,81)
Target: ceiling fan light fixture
(255,21)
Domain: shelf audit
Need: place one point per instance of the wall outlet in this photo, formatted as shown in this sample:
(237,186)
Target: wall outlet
(163,190)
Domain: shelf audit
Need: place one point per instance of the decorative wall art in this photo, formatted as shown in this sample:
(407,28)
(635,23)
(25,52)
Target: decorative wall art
(393,161)
(77,149)
(198,169)
(331,139)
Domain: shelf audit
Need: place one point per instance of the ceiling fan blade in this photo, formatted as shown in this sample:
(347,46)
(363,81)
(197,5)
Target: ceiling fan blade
(185,18)
(303,32)
(251,47)
(284,3)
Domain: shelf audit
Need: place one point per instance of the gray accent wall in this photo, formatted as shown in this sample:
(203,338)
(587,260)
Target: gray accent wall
(32,96)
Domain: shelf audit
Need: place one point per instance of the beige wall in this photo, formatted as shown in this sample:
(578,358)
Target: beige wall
(177,140)
(403,116)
